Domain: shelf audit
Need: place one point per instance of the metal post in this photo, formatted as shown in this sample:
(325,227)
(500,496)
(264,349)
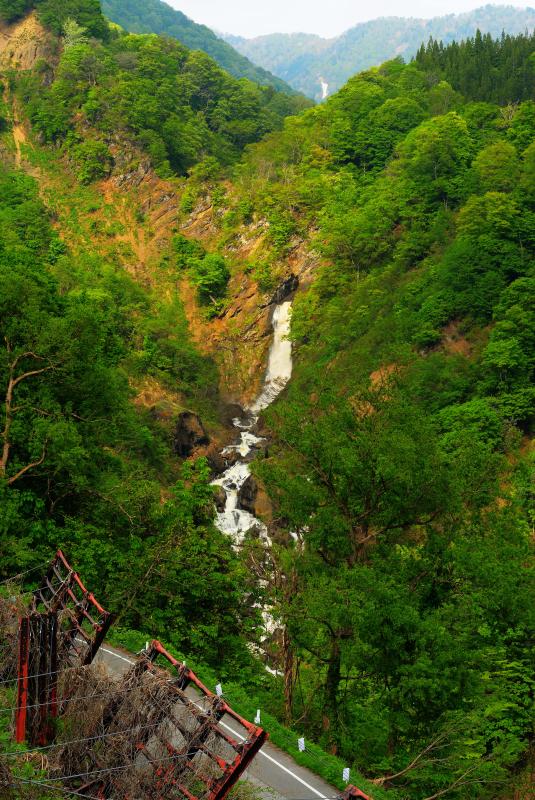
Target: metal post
(354,793)
(22,686)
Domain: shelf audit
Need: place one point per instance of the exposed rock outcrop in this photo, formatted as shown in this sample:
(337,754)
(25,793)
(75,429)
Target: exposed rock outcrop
(253,498)
(190,434)
(247,495)
(218,462)
(220,498)
(24,43)
(287,287)
(239,337)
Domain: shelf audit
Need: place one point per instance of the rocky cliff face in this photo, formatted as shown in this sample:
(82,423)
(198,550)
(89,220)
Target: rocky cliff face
(240,337)
(146,215)
(25,43)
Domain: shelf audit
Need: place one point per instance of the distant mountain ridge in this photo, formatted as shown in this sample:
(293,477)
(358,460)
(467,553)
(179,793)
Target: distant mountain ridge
(308,62)
(155,16)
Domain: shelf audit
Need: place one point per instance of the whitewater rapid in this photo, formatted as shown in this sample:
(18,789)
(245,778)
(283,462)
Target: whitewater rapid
(234,521)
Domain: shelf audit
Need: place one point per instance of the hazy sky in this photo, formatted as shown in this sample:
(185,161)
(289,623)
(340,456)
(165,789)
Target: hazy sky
(326,17)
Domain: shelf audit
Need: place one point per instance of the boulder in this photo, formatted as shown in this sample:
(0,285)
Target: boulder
(216,462)
(263,506)
(247,495)
(189,434)
(286,288)
(220,498)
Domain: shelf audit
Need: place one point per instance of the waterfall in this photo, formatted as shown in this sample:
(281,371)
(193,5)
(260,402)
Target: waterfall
(235,521)
(279,369)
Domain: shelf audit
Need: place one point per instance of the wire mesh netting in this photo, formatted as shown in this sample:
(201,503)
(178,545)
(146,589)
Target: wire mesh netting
(83,622)
(155,731)
(153,735)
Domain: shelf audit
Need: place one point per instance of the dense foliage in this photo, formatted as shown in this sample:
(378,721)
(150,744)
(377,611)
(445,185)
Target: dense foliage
(401,453)
(495,71)
(154,16)
(305,60)
(178,105)
(83,468)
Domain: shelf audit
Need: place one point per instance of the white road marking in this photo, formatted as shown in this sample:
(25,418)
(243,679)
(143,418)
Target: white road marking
(238,736)
(294,776)
(270,758)
(116,655)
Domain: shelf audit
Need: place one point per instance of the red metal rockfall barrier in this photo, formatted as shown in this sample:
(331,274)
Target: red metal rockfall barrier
(353,793)
(83,623)
(189,743)
(65,628)
(155,733)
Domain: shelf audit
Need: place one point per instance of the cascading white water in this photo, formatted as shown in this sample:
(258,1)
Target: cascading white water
(235,521)
(279,369)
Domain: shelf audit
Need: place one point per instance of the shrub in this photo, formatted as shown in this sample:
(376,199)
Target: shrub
(94,160)
(211,276)
(186,250)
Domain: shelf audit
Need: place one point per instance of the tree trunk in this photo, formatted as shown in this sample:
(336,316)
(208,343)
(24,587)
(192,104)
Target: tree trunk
(289,676)
(332,682)
(288,655)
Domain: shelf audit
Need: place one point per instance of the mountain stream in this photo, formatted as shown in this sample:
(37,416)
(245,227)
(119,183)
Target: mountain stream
(235,521)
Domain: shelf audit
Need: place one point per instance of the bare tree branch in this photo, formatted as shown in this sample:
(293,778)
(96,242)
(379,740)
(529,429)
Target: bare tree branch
(28,467)
(462,780)
(25,375)
(10,410)
(436,744)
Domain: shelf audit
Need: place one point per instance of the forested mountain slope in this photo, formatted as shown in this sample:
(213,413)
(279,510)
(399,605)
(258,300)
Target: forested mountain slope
(97,363)
(501,71)
(396,479)
(402,453)
(176,103)
(155,16)
(305,61)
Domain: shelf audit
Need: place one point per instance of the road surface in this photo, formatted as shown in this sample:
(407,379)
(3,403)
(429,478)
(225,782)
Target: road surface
(272,770)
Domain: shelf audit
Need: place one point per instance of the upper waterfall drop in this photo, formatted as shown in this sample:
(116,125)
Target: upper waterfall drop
(279,369)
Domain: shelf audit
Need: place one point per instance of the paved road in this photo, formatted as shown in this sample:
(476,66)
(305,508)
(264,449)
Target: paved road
(272,769)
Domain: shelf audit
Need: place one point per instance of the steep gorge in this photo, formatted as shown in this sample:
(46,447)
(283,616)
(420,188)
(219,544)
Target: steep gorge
(138,215)
(397,219)
(133,223)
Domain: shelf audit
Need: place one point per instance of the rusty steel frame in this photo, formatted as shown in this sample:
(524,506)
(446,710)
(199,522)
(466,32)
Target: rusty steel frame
(63,592)
(245,752)
(353,793)
(170,771)
(22,686)
(64,627)
(37,679)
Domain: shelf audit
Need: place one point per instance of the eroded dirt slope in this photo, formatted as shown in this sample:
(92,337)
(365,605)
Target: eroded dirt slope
(132,220)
